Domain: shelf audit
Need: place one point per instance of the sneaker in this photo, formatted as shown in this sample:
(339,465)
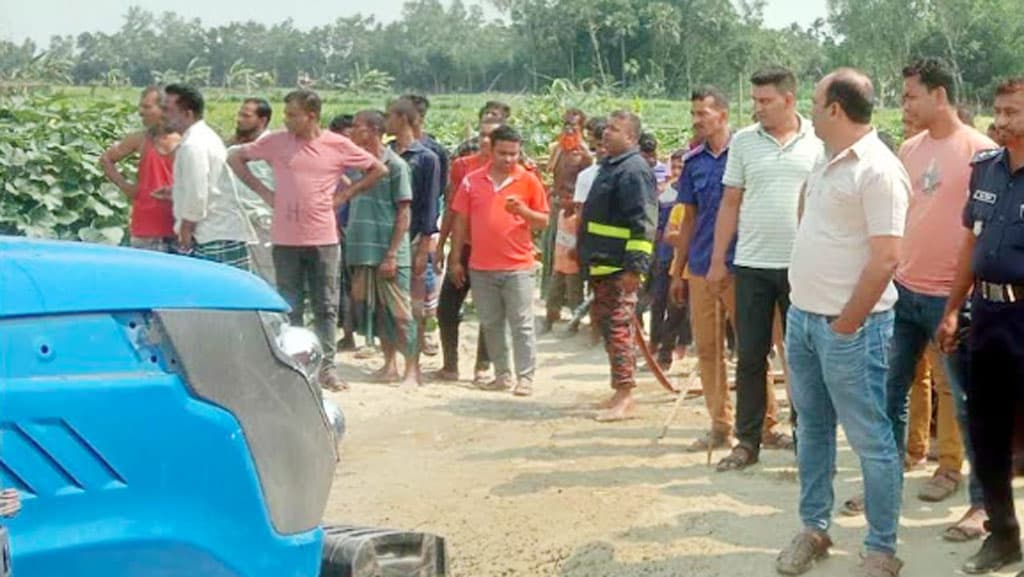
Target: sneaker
(996,552)
(524,388)
(806,549)
(875,564)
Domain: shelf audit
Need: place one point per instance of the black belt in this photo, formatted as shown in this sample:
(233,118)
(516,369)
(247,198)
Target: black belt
(999,293)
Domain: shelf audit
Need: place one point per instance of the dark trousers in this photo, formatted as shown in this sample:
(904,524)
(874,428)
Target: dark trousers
(996,353)
(758,293)
(670,324)
(449,316)
(297,267)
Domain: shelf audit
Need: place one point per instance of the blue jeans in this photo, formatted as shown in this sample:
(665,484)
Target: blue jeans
(841,379)
(917,318)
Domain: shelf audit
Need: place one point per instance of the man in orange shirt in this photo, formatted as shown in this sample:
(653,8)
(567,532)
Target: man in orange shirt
(497,208)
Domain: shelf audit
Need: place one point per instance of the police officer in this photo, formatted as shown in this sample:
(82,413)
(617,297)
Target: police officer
(616,242)
(992,261)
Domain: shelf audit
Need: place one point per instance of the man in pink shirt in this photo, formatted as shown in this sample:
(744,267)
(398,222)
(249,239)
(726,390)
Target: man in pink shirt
(308,163)
(938,162)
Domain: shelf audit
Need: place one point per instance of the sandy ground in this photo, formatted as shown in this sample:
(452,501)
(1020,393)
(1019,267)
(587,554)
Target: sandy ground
(535,487)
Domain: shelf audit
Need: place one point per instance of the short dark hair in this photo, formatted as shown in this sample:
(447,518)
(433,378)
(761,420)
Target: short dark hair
(648,143)
(714,93)
(341,123)
(781,78)
(1010,86)
(505,109)
(505,133)
(406,108)
(632,120)
(678,153)
(595,126)
(189,98)
(307,99)
(933,73)
(151,89)
(853,93)
(421,102)
(373,118)
(263,109)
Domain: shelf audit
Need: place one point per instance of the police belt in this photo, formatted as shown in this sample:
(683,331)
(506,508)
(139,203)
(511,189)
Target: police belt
(999,293)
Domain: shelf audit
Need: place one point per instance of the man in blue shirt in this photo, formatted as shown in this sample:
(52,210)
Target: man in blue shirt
(402,120)
(700,189)
(992,261)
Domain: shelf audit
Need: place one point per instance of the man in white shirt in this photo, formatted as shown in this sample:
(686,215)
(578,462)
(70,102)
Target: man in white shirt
(841,320)
(207,216)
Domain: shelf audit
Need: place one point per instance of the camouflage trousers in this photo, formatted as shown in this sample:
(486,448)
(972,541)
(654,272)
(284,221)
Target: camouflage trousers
(612,312)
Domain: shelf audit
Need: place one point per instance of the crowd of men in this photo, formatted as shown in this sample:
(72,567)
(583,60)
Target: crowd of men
(808,239)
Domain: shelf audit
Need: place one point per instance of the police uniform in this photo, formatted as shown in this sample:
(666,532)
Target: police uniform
(617,230)
(995,215)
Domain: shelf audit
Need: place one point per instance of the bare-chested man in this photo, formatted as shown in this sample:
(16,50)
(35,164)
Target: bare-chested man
(152,221)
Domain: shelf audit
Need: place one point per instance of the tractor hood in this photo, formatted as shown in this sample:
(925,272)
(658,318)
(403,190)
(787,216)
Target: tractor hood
(39,277)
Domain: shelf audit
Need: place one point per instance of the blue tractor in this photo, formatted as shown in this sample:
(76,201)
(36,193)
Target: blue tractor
(158,418)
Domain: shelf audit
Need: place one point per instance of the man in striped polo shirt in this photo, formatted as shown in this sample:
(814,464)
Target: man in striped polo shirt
(768,164)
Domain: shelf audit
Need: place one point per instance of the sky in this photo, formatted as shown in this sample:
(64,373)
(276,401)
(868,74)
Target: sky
(41,19)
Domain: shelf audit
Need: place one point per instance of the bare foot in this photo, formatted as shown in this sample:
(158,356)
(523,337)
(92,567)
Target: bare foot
(387,374)
(621,409)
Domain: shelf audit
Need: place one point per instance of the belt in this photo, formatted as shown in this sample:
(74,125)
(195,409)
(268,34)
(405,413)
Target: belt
(999,293)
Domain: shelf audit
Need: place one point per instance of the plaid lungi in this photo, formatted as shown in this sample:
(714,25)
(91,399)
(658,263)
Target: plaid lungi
(383,306)
(229,252)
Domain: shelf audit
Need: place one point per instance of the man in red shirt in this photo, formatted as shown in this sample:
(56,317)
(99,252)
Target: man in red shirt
(152,220)
(308,163)
(498,207)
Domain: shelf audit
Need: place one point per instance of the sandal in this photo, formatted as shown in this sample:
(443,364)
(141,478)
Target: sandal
(777,441)
(943,483)
(970,527)
(716,439)
(853,507)
(740,458)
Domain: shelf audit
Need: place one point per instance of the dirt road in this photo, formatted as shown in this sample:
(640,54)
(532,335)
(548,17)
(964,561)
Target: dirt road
(537,488)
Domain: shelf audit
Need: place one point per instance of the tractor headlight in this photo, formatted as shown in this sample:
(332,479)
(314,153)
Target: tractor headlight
(297,347)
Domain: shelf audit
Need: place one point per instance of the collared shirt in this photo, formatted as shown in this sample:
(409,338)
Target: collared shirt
(202,192)
(501,241)
(995,214)
(372,216)
(770,175)
(306,175)
(862,192)
(700,186)
(940,172)
(426,188)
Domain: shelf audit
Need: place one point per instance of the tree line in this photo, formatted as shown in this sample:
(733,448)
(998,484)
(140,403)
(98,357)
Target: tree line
(646,48)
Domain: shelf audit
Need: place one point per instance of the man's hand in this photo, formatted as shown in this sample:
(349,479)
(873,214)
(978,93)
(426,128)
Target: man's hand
(457,272)
(677,291)
(439,260)
(844,327)
(185,242)
(629,281)
(717,275)
(514,205)
(162,193)
(10,503)
(946,333)
(389,266)
(419,259)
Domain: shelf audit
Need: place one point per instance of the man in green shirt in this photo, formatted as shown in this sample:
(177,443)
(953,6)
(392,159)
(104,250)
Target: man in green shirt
(377,250)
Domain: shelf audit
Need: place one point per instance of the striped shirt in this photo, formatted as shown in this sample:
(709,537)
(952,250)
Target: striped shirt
(770,176)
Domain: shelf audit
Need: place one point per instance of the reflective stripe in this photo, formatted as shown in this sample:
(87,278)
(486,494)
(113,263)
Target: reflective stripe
(603,270)
(599,229)
(639,245)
